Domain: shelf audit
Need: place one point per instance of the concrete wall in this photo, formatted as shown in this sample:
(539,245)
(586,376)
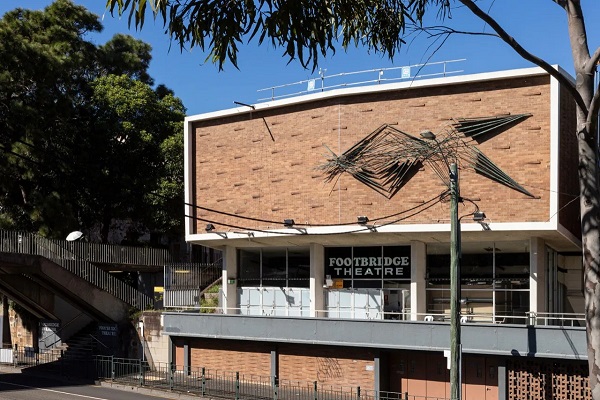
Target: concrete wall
(155,345)
(477,338)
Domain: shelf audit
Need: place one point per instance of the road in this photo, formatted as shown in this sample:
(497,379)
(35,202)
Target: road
(17,386)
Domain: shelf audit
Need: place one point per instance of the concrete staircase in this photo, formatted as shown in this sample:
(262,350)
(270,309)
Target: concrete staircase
(81,346)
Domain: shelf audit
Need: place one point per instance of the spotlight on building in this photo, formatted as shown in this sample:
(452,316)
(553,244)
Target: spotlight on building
(209,227)
(428,135)
(479,217)
(288,223)
(362,220)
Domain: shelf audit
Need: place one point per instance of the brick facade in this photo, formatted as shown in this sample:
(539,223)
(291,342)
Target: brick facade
(568,202)
(418,373)
(264,164)
(252,167)
(547,380)
(247,358)
(327,365)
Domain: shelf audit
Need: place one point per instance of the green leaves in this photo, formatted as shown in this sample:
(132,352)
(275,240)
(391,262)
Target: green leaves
(81,129)
(305,30)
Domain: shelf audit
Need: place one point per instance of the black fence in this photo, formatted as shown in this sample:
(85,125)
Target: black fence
(203,382)
(230,385)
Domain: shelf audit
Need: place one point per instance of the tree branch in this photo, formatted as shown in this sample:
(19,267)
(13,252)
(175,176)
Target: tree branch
(526,54)
(433,31)
(594,108)
(594,59)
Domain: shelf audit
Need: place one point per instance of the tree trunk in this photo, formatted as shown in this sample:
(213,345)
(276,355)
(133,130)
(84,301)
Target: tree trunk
(590,238)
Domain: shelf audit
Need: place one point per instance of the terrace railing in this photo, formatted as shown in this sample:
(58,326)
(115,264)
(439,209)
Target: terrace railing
(185,282)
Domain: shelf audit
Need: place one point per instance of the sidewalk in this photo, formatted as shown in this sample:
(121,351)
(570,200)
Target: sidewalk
(69,380)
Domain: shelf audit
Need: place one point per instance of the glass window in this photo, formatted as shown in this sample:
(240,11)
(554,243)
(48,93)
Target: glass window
(494,280)
(274,268)
(298,268)
(249,267)
(278,267)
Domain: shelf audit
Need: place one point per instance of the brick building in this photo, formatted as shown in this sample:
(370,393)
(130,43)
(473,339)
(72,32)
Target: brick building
(312,293)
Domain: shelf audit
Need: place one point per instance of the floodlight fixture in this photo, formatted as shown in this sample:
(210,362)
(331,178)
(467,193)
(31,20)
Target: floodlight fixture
(74,236)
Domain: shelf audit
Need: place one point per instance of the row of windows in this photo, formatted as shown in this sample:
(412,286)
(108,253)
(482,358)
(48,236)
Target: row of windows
(274,267)
(282,267)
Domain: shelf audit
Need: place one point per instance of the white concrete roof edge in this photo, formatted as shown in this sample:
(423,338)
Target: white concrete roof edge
(419,83)
(358,229)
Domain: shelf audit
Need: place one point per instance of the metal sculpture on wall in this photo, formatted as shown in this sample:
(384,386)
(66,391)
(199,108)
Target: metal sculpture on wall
(388,158)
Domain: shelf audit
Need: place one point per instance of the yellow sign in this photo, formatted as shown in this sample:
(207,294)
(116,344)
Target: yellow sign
(159,289)
(338,284)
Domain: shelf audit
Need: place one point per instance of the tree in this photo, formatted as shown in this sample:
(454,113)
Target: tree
(82,131)
(308,29)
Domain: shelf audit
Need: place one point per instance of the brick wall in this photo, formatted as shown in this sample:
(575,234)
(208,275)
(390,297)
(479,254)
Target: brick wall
(547,380)
(247,358)
(23,329)
(329,366)
(568,203)
(349,367)
(264,164)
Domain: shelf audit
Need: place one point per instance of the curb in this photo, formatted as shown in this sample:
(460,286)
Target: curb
(154,392)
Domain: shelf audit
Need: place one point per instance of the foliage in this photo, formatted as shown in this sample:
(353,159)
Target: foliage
(213,289)
(209,304)
(84,137)
(304,29)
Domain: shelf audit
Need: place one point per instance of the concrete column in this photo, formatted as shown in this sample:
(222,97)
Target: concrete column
(4,326)
(6,339)
(502,380)
(170,350)
(186,357)
(274,366)
(317,279)
(537,275)
(229,288)
(381,372)
(418,265)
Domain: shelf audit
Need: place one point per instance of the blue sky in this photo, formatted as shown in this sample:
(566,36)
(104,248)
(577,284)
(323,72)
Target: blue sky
(539,25)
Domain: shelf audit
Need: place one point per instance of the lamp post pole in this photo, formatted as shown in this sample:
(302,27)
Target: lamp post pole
(455,255)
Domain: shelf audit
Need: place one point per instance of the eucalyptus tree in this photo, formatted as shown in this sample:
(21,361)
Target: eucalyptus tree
(309,29)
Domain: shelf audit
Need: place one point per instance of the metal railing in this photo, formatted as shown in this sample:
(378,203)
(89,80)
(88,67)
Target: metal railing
(183,276)
(116,254)
(229,384)
(58,251)
(359,78)
(528,318)
(185,283)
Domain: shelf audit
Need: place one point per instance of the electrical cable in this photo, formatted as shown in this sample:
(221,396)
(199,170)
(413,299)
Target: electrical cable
(367,228)
(437,197)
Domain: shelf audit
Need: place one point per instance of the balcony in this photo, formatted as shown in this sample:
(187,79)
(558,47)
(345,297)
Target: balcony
(520,340)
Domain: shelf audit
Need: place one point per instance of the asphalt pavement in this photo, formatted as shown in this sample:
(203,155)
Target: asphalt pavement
(15,385)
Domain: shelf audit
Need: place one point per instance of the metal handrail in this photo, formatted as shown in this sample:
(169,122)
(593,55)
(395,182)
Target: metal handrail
(58,252)
(318,84)
(530,318)
(96,339)
(62,327)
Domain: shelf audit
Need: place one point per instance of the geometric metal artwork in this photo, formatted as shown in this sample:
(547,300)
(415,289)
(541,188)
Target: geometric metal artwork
(388,158)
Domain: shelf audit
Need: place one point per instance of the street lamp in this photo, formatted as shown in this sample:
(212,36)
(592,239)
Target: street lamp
(455,255)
